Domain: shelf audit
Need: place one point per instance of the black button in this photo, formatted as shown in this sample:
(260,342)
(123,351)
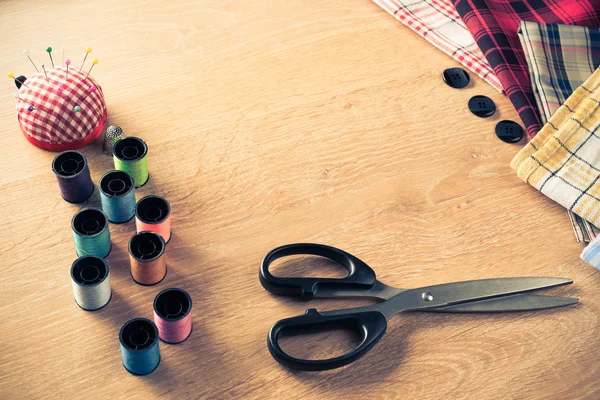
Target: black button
(509,131)
(482,106)
(19,81)
(456,78)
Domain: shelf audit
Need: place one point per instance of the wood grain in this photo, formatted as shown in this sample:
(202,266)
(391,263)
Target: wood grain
(270,123)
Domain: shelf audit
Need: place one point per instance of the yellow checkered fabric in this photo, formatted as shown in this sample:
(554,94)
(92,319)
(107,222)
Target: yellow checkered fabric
(563,159)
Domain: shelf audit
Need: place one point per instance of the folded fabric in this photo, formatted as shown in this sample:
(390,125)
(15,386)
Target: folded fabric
(563,160)
(438,23)
(494,25)
(591,253)
(584,231)
(560,58)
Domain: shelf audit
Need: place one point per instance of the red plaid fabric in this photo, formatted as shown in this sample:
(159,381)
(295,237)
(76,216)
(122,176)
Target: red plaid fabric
(438,22)
(53,124)
(494,25)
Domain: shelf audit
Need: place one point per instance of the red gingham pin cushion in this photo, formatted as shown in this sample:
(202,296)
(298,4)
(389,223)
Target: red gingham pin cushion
(47,113)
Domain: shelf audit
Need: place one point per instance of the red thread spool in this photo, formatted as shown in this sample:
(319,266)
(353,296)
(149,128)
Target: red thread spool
(173,315)
(153,213)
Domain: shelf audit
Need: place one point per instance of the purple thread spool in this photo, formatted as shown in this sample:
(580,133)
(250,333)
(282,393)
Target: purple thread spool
(73,176)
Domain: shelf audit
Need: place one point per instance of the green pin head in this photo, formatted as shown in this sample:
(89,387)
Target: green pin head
(77,109)
(49,49)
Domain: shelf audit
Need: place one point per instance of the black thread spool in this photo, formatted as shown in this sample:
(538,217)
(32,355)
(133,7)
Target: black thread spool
(140,352)
(73,176)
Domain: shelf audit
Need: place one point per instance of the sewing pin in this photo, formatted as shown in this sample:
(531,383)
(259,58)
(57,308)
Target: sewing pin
(12,76)
(88,50)
(92,90)
(49,51)
(94,62)
(44,68)
(77,109)
(68,62)
(26,52)
(31,108)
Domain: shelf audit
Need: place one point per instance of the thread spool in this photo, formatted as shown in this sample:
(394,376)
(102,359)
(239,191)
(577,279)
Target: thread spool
(173,315)
(73,176)
(131,155)
(153,213)
(147,258)
(117,196)
(91,282)
(140,352)
(90,233)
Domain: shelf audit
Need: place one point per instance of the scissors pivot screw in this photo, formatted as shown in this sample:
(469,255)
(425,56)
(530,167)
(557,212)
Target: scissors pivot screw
(427,296)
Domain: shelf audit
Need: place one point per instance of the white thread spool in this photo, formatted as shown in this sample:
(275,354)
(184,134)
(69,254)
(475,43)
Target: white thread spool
(91,282)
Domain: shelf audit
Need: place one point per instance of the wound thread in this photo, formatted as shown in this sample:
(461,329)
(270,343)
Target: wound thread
(90,233)
(147,258)
(131,155)
(90,277)
(173,315)
(153,213)
(138,339)
(117,196)
(73,176)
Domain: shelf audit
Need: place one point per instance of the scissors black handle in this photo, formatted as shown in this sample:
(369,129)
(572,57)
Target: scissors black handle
(360,275)
(370,324)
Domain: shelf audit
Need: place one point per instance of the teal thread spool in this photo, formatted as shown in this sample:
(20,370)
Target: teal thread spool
(131,155)
(138,339)
(117,196)
(90,233)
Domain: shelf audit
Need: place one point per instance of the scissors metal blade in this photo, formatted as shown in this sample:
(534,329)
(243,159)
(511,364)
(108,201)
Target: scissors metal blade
(464,292)
(515,302)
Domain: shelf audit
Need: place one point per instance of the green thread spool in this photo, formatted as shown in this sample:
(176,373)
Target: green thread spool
(90,233)
(131,155)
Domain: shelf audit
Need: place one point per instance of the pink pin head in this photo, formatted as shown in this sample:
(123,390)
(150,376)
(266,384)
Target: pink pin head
(67,61)
(92,88)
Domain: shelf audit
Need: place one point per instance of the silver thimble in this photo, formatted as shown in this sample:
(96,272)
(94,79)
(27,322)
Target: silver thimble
(113,135)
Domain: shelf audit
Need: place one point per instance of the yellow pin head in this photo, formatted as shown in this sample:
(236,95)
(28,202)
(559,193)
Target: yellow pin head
(88,50)
(11,75)
(95,61)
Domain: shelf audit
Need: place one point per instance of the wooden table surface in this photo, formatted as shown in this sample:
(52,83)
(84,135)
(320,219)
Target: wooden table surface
(271,123)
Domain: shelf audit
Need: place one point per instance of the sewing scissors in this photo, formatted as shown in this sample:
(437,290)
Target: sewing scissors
(484,295)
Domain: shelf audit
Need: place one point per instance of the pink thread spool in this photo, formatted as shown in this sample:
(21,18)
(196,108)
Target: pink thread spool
(173,315)
(153,213)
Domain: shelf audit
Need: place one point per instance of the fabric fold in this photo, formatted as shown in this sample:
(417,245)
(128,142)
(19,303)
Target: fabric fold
(591,254)
(438,22)
(563,160)
(494,25)
(560,58)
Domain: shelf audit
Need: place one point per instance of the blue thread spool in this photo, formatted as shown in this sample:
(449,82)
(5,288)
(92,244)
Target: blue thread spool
(90,233)
(117,196)
(140,353)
